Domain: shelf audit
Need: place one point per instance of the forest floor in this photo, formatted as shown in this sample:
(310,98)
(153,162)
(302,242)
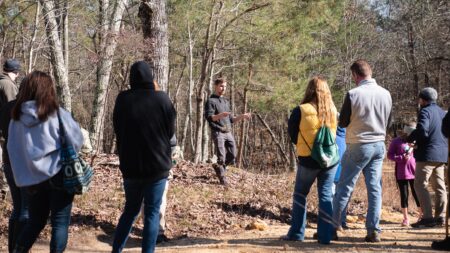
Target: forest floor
(249,216)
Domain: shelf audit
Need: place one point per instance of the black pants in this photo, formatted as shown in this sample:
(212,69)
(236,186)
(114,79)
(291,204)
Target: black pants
(225,147)
(403,187)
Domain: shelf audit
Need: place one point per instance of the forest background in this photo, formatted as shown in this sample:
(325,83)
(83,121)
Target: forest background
(267,50)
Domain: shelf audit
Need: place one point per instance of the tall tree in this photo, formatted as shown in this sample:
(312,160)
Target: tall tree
(154,27)
(58,62)
(110,22)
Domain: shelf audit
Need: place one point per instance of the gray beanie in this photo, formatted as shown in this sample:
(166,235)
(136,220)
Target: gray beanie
(429,94)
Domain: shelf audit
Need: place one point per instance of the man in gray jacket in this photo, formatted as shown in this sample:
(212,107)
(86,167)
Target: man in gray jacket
(366,114)
(8,92)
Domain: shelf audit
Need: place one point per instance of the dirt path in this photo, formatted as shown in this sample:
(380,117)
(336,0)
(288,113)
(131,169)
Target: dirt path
(394,239)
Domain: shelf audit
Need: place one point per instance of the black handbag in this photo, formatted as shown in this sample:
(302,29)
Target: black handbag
(75,175)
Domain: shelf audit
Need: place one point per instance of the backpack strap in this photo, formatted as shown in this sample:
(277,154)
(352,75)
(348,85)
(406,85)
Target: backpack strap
(300,132)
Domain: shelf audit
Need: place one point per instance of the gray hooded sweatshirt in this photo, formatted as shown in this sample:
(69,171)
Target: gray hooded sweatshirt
(34,145)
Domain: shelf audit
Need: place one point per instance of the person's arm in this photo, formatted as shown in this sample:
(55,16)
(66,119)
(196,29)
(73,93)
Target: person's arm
(446,124)
(422,128)
(294,124)
(346,112)
(241,117)
(392,154)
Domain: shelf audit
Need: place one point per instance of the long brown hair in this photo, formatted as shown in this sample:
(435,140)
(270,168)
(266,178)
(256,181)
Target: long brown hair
(37,86)
(318,93)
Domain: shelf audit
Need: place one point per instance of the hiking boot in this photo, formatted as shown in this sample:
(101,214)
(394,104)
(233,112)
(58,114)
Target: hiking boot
(424,223)
(373,237)
(441,245)
(287,238)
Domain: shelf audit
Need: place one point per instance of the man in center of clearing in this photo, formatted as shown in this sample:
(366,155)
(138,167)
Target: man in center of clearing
(220,118)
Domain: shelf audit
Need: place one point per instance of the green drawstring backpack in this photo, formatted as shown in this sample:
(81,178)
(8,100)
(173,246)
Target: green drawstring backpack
(324,150)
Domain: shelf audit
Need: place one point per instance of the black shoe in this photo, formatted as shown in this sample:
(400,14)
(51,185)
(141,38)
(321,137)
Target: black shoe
(441,245)
(162,238)
(439,221)
(424,223)
(373,237)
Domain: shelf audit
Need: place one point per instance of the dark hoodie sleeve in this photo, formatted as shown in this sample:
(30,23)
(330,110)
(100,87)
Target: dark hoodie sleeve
(116,120)
(446,124)
(294,124)
(346,112)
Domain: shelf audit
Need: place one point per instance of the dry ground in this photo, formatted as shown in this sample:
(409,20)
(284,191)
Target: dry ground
(205,217)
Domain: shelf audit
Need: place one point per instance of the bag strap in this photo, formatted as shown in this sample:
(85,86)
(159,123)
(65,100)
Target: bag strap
(62,131)
(300,132)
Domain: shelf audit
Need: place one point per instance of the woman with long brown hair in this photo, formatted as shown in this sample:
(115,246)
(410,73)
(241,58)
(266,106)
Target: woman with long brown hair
(316,109)
(34,151)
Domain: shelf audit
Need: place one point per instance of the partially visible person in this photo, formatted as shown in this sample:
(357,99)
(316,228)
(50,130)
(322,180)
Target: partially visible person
(162,237)
(19,214)
(35,159)
(446,124)
(144,123)
(401,152)
(444,244)
(219,116)
(8,92)
(316,108)
(366,114)
(340,141)
(431,158)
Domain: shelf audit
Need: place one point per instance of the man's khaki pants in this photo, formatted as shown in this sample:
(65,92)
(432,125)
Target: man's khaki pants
(434,173)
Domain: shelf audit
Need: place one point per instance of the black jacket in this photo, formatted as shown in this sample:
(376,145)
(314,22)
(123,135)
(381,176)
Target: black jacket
(446,124)
(144,123)
(5,118)
(431,144)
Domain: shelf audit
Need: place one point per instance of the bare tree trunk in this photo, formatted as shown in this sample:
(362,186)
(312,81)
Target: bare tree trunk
(188,119)
(274,138)
(412,55)
(154,27)
(56,53)
(108,43)
(33,38)
(243,124)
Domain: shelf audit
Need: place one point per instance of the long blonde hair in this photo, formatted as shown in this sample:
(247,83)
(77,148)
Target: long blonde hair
(318,94)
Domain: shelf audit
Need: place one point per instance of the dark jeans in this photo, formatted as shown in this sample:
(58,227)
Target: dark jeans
(136,191)
(45,201)
(19,214)
(403,187)
(225,147)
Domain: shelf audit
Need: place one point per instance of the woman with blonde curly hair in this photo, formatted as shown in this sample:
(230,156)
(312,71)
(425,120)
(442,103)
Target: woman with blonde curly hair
(316,109)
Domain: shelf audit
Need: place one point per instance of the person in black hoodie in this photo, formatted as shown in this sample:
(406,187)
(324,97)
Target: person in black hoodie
(144,122)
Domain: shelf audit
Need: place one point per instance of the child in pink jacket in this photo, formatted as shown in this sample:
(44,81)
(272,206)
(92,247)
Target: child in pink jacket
(401,152)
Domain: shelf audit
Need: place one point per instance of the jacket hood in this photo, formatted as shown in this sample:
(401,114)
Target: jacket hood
(29,115)
(141,76)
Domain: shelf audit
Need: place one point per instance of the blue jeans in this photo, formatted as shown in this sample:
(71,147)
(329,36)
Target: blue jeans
(366,158)
(44,201)
(19,214)
(136,191)
(303,182)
